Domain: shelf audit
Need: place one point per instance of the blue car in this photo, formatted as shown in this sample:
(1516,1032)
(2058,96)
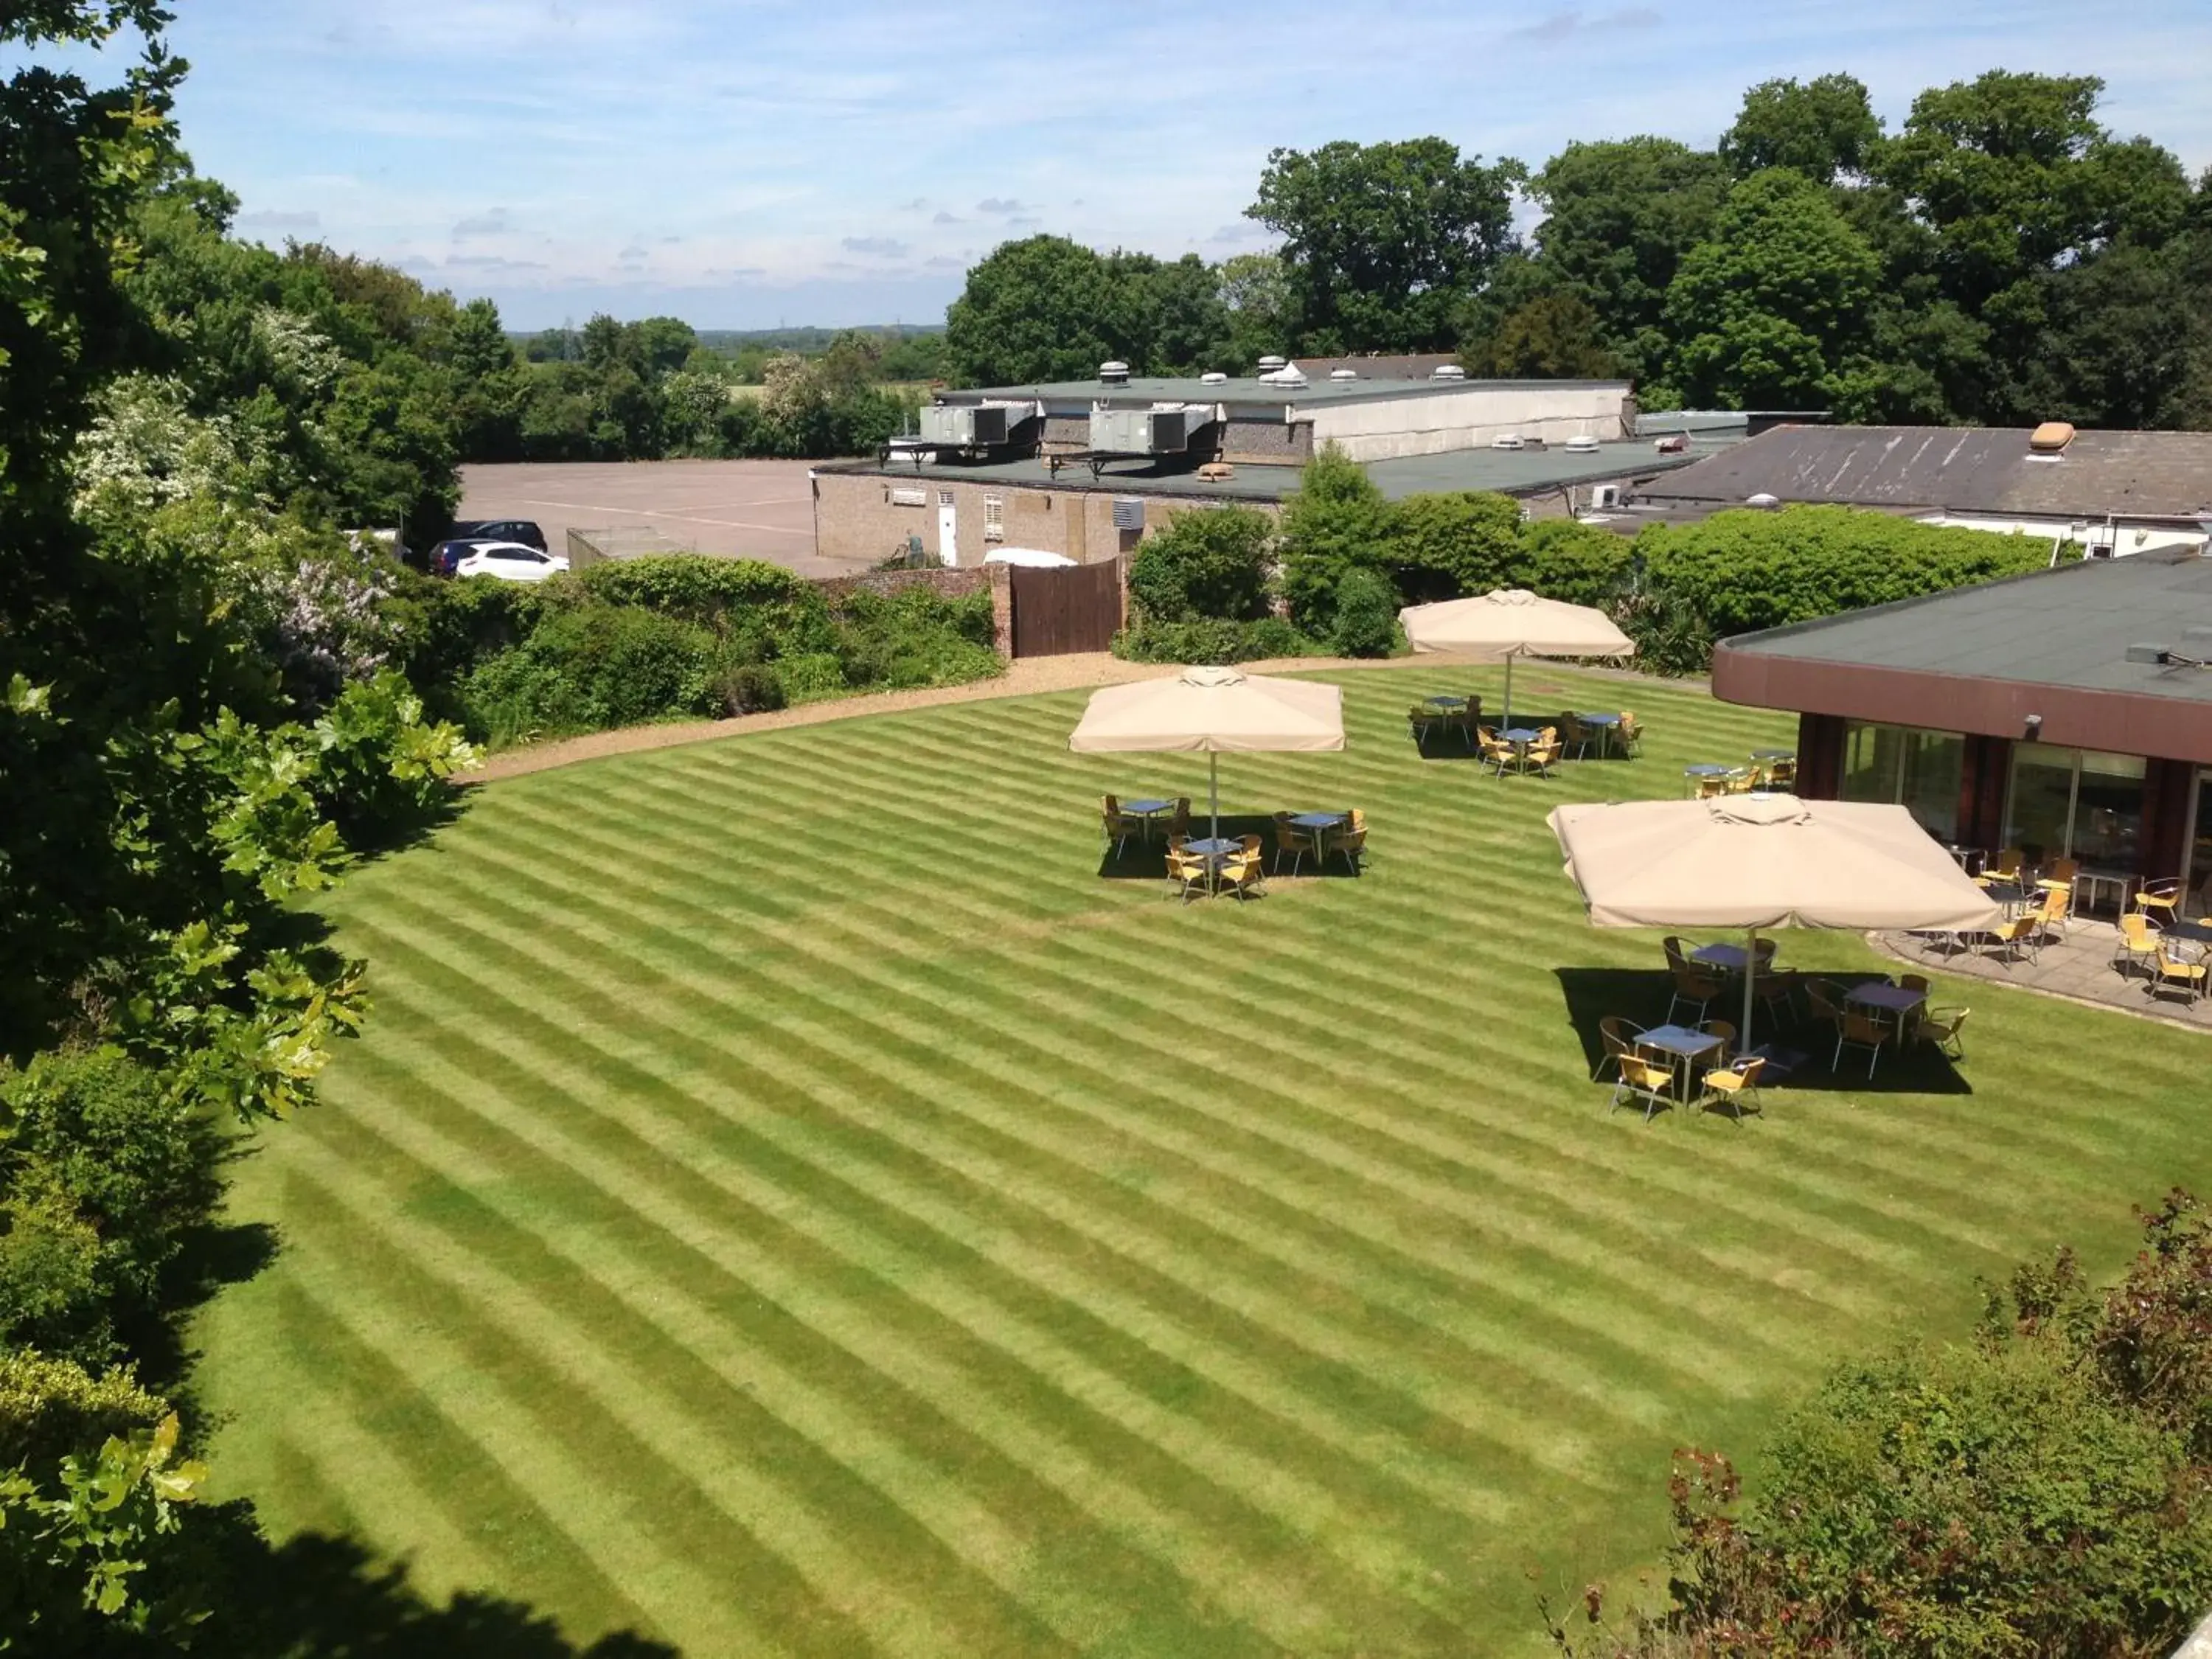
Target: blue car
(447,554)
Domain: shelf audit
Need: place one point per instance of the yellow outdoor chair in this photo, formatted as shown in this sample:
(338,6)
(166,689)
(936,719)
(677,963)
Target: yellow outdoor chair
(2161,901)
(2021,933)
(2136,942)
(1290,840)
(1639,1080)
(1630,734)
(1192,875)
(1496,752)
(1619,1037)
(1117,825)
(2190,973)
(1942,1026)
(1240,874)
(1732,1083)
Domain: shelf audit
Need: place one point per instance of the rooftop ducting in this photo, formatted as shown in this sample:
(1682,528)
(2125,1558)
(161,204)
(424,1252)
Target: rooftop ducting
(1163,430)
(1113,373)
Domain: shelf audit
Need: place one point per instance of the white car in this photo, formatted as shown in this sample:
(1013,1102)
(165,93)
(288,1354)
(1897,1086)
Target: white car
(511,561)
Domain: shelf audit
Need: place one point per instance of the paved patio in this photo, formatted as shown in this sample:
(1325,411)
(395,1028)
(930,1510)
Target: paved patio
(2079,963)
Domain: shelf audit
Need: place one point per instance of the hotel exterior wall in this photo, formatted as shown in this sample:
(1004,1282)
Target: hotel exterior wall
(855,518)
(1434,424)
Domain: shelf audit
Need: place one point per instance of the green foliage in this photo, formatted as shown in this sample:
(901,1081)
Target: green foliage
(1553,336)
(1211,563)
(1438,547)
(1825,128)
(1211,640)
(591,667)
(1337,518)
(1771,313)
(1046,308)
(1366,620)
(1581,563)
(75,1554)
(2042,1491)
(51,1407)
(1749,569)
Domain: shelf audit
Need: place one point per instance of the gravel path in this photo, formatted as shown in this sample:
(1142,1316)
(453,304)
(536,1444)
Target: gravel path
(1023,678)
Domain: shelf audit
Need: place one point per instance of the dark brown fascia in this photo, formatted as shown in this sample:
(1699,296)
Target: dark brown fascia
(2116,722)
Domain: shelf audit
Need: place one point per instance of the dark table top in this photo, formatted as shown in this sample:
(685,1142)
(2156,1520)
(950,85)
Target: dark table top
(1895,998)
(2008,892)
(1212,846)
(1521,734)
(1706,769)
(1730,957)
(1774,753)
(1317,820)
(1598,719)
(1145,808)
(1447,702)
(2201,932)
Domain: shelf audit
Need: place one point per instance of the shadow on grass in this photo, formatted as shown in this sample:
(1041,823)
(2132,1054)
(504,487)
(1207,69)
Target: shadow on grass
(1800,1049)
(1147,860)
(316,1595)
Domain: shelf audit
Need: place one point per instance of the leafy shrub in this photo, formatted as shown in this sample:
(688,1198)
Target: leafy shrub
(593,667)
(1366,614)
(1581,563)
(1749,569)
(748,689)
(382,769)
(810,677)
(1210,639)
(1209,561)
(712,592)
(1335,520)
(51,1407)
(1438,547)
(915,636)
(2041,1491)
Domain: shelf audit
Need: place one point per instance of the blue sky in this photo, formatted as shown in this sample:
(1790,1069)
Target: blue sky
(749,162)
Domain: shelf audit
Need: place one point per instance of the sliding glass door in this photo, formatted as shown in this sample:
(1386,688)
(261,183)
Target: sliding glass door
(2198,901)
(2078,804)
(1905,766)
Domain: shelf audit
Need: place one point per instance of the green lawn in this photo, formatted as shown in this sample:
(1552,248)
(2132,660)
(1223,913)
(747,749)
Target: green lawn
(788,1202)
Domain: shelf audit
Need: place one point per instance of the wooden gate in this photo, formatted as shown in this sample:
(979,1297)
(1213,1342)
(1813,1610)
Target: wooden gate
(1072,608)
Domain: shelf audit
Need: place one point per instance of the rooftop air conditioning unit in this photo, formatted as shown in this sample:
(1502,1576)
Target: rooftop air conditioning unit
(1447,371)
(1582,444)
(1507,441)
(1163,430)
(1115,373)
(974,426)
(1605,498)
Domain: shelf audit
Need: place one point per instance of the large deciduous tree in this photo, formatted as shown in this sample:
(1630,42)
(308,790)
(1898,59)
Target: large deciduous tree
(1383,243)
(1825,128)
(1769,314)
(1031,310)
(1618,217)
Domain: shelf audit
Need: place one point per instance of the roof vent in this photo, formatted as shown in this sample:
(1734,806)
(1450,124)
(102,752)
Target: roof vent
(1764,502)
(2051,437)
(1115,373)
(1582,443)
(1344,374)
(1507,441)
(1213,377)
(1447,371)
(1288,375)
(1270,364)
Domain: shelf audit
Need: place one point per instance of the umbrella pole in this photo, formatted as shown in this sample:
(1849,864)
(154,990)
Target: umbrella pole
(1750,973)
(1507,720)
(1213,789)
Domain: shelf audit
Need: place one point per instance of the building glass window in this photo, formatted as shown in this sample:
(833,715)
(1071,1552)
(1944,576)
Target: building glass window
(2199,900)
(1904,766)
(994,518)
(2076,803)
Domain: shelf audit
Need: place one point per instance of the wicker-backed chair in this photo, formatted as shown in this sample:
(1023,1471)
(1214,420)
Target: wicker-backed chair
(1629,734)
(1693,985)
(1860,1030)
(1348,840)
(1179,817)
(1642,1079)
(1242,873)
(1618,1036)
(1191,876)
(1117,825)
(1497,753)
(1290,841)
(1942,1026)
(1732,1082)
(1425,722)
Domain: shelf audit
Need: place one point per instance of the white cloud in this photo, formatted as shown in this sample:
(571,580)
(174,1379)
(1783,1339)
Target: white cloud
(881,246)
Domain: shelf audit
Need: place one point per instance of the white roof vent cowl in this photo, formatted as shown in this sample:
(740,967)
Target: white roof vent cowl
(1270,364)
(1581,443)
(1506,440)
(1344,374)
(1447,371)
(1115,373)
(1213,377)
(1763,502)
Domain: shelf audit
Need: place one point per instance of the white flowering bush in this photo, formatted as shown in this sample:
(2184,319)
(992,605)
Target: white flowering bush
(146,449)
(299,361)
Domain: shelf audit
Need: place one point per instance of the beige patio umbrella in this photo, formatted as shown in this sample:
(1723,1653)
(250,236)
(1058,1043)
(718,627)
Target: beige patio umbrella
(1213,711)
(1761,862)
(1511,622)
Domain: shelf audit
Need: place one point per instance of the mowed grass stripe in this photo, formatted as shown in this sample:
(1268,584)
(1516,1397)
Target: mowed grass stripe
(1188,1547)
(823,1062)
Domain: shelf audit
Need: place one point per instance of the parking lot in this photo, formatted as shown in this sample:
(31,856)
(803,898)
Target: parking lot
(749,509)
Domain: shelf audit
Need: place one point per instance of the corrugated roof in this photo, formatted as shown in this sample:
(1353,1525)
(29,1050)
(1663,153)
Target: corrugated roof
(2070,627)
(2156,475)
(1513,471)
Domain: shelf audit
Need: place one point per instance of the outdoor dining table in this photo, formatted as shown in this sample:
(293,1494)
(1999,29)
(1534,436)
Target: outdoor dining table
(2011,893)
(1147,810)
(1897,999)
(2200,932)
(1317,825)
(1683,1045)
(1606,726)
(1730,958)
(1773,754)
(1446,702)
(1520,736)
(1703,770)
